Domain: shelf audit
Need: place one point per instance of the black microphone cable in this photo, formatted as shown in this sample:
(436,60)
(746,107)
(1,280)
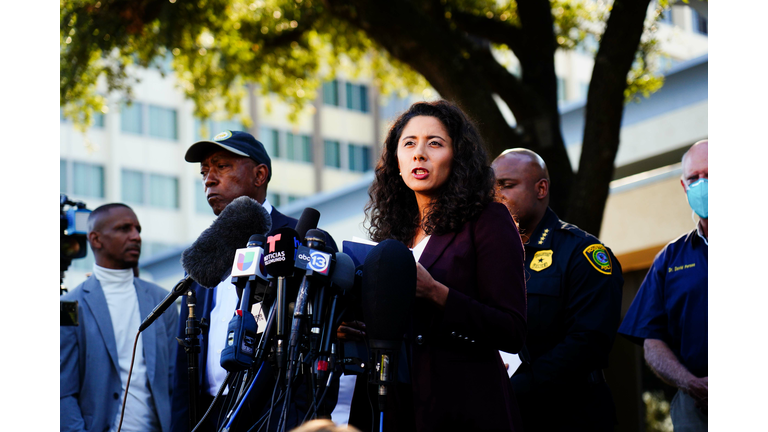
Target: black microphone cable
(242,398)
(213,403)
(266,418)
(128,381)
(272,403)
(316,405)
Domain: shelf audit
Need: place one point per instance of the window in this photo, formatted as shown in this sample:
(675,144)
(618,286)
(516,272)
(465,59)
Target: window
(149,249)
(163,123)
(351,93)
(271,140)
(88,180)
(666,16)
(583,90)
(331,93)
(273,199)
(561,90)
(298,147)
(62,176)
(292,198)
(305,148)
(357,97)
(201,203)
(132,185)
(332,154)
(699,23)
(394,107)
(163,191)
(213,128)
(98,120)
(131,117)
(155,190)
(359,158)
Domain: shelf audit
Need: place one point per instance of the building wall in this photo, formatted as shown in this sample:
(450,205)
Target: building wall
(168,227)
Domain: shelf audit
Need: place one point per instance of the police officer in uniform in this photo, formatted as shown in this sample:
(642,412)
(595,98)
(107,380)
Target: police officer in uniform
(574,286)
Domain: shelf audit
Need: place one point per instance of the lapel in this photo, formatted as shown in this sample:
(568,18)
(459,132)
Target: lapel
(435,248)
(148,338)
(96,302)
(280,220)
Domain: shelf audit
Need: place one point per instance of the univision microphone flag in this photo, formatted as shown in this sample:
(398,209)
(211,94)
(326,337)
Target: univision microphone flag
(249,262)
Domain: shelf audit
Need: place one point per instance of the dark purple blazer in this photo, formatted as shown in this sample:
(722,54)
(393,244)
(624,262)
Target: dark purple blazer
(458,378)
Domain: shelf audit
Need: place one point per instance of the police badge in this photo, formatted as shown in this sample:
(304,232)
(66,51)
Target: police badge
(541,260)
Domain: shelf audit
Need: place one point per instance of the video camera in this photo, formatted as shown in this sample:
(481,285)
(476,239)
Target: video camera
(73,223)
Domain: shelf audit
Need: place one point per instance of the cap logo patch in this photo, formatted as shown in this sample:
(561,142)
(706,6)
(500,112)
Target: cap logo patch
(222,136)
(598,256)
(541,260)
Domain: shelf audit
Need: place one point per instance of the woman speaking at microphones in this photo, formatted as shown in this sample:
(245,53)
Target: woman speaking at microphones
(434,191)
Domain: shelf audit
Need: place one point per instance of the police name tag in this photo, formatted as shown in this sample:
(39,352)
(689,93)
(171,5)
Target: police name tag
(541,260)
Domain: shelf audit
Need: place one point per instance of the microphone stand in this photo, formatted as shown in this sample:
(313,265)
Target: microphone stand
(385,354)
(192,348)
(281,309)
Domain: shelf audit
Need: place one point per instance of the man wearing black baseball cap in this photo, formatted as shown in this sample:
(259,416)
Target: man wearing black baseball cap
(232,164)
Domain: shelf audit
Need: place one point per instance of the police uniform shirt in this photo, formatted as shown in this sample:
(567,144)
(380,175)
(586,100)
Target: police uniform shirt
(672,302)
(574,288)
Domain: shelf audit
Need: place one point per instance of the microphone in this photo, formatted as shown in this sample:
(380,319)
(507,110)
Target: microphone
(279,259)
(389,290)
(248,268)
(308,220)
(318,265)
(342,279)
(211,255)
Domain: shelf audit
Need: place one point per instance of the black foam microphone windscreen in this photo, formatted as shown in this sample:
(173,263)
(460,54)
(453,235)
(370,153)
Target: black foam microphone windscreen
(343,277)
(308,220)
(389,289)
(212,254)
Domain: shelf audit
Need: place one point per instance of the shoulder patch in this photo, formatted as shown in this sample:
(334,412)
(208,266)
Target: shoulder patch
(541,260)
(599,257)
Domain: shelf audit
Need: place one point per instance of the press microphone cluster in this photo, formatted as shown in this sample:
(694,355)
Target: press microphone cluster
(297,341)
(271,270)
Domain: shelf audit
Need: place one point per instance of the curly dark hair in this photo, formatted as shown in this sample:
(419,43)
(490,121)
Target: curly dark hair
(392,211)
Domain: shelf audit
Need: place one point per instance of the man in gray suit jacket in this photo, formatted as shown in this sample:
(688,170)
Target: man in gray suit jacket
(96,355)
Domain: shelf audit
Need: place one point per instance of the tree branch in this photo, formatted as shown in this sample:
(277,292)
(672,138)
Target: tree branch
(604,111)
(496,31)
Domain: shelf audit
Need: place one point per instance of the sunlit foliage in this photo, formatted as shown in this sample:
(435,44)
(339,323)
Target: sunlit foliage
(285,47)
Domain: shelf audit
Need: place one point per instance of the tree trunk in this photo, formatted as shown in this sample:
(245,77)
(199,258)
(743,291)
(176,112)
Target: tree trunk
(605,107)
(463,71)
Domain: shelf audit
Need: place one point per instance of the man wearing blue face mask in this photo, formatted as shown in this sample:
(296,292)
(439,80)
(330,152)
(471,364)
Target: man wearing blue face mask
(669,314)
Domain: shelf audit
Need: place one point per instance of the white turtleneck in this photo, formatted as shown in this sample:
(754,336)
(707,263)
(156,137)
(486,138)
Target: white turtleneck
(123,304)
